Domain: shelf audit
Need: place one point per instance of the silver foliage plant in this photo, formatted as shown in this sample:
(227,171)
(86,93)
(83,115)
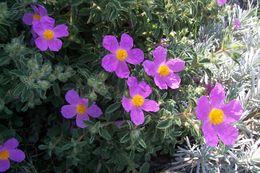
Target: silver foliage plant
(237,66)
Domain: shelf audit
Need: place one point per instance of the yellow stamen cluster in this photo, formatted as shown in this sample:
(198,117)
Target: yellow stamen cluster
(121,54)
(48,34)
(37,17)
(138,100)
(163,70)
(4,155)
(216,116)
(81,109)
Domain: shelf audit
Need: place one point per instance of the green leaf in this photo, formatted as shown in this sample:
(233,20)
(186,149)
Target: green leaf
(256,156)
(145,168)
(105,134)
(56,89)
(164,124)
(142,143)
(177,121)
(84,12)
(112,108)
(42,147)
(125,138)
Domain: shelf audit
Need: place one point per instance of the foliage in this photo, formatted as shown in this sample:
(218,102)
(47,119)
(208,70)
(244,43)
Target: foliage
(33,83)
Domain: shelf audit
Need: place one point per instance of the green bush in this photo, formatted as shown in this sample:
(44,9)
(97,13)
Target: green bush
(33,83)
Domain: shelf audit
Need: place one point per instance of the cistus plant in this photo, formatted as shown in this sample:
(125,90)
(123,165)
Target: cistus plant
(167,60)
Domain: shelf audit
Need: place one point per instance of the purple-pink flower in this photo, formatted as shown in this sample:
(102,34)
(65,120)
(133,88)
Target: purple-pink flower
(48,34)
(33,18)
(217,117)
(138,101)
(9,151)
(236,24)
(79,107)
(164,71)
(221,2)
(120,54)
(119,123)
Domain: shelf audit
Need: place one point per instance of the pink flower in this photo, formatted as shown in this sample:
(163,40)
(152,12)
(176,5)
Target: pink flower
(9,151)
(39,11)
(138,102)
(221,2)
(79,107)
(48,34)
(164,71)
(217,117)
(120,54)
(236,24)
(119,123)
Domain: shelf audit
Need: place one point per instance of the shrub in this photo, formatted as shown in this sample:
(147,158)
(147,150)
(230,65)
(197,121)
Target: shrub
(33,83)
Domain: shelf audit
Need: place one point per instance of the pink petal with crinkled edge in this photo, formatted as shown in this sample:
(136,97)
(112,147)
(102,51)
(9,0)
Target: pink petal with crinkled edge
(217,96)
(110,43)
(137,116)
(126,42)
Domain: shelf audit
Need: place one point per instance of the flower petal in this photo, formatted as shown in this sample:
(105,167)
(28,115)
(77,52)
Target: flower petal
(94,111)
(55,44)
(217,95)
(159,54)
(42,10)
(135,56)
(34,35)
(110,43)
(61,31)
(127,104)
(28,18)
(109,62)
(159,81)
(203,108)
(176,65)
(35,8)
(17,155)
(221,2)
(38,28)
(132,85)
(132,82)
(232,111)
(144,89)
(227,133)
(11,143)
(122,70)
(68,111)
(119,123)
(173,81)
(46,23)
(4,165)
(41,43)
(210,135)
(84,101)
(150,106)
(137,116)
(72,97)
(80,120)
(126,41)
(149,68)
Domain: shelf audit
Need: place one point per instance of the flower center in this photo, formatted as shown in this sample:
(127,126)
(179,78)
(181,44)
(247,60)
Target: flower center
(121,54)
(37,17)
(138,100)
(81,109)
(163,70)
(216,116)
(48,34)
(4,155)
